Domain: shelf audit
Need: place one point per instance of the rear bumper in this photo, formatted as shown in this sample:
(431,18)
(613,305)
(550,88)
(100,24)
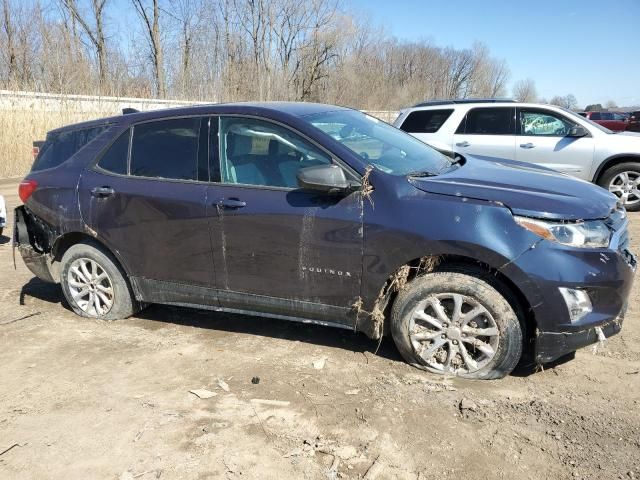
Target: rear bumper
(37,261)
(553,345)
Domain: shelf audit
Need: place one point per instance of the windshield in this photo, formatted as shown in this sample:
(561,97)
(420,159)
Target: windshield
(379,144)
(584,119)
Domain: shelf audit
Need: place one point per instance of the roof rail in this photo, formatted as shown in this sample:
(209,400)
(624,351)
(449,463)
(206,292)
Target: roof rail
(464,100)
(128,110)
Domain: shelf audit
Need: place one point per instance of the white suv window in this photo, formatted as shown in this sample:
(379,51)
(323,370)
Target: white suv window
(488,121)
(543,123)
(425,121)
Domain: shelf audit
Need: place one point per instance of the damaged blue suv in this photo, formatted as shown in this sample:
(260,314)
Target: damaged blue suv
(323,214)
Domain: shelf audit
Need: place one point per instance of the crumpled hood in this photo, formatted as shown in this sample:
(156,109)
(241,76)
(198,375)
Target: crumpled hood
(526,189)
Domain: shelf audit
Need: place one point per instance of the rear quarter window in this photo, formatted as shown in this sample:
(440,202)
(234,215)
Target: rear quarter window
(425,121)
(116,157)
(61,146)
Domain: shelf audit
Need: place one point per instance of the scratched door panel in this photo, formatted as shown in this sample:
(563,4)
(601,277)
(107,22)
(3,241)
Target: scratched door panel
(286,244)
(159,228)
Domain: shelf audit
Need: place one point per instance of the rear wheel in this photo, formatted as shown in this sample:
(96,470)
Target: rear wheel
(623,180)
(94,285)
(457,324)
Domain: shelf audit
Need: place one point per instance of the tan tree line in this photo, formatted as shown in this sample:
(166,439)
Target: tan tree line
(230,50)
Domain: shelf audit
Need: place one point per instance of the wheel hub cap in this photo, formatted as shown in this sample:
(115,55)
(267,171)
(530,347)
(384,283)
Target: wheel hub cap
(453,333)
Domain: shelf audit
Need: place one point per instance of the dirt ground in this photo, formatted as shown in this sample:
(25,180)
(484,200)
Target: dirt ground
(84,399)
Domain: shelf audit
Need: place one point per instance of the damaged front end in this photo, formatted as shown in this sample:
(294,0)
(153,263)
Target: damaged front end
(32,237)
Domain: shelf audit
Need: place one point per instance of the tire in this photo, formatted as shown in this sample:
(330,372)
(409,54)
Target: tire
(612,174)
(450,351)
(115,298)
(1,230)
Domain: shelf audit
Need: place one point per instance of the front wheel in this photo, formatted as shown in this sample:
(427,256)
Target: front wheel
(623,180)
(457,324)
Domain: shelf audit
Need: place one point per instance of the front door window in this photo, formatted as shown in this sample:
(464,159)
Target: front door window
(255,152)
(543,123)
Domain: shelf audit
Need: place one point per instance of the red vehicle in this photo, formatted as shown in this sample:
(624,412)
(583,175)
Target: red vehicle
(612,120)
(634,122)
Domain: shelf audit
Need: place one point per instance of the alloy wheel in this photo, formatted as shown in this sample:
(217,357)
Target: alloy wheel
(626,186)
(90,286)
(453,333)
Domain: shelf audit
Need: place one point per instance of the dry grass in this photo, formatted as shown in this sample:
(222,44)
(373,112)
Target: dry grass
(19,128)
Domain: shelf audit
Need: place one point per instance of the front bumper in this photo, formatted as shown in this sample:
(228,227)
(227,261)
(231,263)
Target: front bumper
(553,345)
(606,275)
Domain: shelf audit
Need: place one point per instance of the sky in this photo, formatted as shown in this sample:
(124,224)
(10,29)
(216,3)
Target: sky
(590,48)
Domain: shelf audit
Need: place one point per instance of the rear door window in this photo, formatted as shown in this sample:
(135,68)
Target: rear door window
(425,121)
(166,149)
(61,146)
(488,121)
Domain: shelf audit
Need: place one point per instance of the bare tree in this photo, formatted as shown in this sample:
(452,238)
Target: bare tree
(227,50)
(610,105)
(94,30)
(568,101)
(7,24)
(525,91)
(187,14)
(151,20)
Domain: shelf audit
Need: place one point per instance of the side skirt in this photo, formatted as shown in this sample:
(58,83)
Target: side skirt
(172,293)
(254,313)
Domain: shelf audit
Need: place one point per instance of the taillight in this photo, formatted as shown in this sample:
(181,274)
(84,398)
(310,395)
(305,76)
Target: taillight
(26,188)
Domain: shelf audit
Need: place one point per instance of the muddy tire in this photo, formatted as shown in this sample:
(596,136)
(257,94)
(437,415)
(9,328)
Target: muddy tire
(94,284)
(623,181)
(457,323)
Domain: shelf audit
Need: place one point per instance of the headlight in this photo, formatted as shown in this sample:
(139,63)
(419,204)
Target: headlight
(591,234)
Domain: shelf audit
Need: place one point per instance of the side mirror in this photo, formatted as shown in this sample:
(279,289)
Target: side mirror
(325,178)
(577,132)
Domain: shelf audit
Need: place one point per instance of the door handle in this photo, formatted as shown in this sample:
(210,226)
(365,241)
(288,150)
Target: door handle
(463,144)
(231,203)
(102,192)
(527,145)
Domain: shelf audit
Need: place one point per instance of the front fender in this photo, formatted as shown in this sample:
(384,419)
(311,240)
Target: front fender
(400,228)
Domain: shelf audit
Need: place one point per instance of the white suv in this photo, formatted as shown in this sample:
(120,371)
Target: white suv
(543,134)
